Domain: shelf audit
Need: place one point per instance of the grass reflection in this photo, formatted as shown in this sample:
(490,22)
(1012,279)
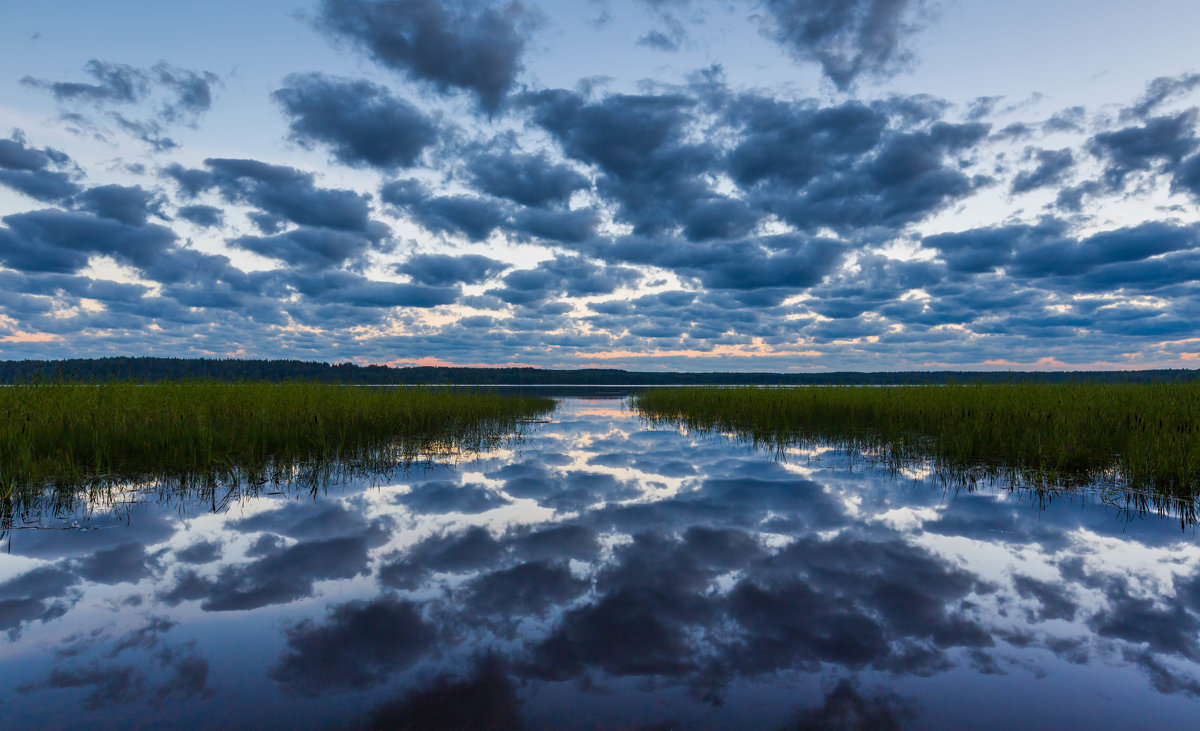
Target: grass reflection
(1141,442)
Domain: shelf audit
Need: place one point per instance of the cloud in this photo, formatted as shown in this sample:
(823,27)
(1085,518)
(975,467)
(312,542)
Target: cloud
(470,550)
(178,96)
(659,41)
(41,594)
(845,167)
(485,699)
(531,180)
(463,44)
(115,84)
(44,175)
(1046,250)
(201,215)
(307,247)
(361,122)
(444,269)
(127,562)
(848,39)
(199,552)
(1052,169)
(527,589)
(61,241)
(846,707)
(641,147)
(280,191)
(129,204)
(443,496)
(279,576)
(571,276)
(355,290)
(1158,92)
(360,644)
(1161,142)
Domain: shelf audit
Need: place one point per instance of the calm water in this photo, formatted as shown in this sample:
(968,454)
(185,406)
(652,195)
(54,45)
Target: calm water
(600,574)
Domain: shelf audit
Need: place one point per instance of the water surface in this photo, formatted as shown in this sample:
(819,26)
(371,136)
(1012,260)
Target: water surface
(604,574)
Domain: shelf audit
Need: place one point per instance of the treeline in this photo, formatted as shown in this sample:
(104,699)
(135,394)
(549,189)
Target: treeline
(146,370)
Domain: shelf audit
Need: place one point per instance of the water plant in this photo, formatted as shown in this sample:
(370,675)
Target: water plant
(68,438)
(1143,439)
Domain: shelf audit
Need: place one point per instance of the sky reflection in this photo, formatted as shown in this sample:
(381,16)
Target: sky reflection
(604,571)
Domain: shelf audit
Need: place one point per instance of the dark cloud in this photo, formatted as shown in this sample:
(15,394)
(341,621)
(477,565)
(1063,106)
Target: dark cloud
(527,589)
(279,576)
(471,550)
(61,241)
(1052,169)
(169,673)
(199,552)
(41,594)
(788,262)
(531,180)
(1055,603)
(486,699)
(44,175)
(359,645)
(1159,91)
(570,276)
(844,166)
(443,496)
(660,41)
(640,145)
(192,92)
(281,191)
(201,215)
(114,84)
(108,685)
(127,562)
(361,122)
(307,521)
(1160,143)
(347,288)
(307,247)
(556,543)
(444,269)
(558,226)
(845,707)
(463,44)
(848,39)
(473,217)
(1046,250)
(177,96)
(130,205)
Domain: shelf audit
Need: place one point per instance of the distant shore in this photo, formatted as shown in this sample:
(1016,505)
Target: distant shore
(149,369)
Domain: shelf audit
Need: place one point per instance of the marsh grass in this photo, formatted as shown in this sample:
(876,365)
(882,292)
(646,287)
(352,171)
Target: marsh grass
(70,440)
(1139,442)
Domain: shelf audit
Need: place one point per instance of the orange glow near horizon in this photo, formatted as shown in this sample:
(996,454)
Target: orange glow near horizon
(719,351)
(21,336)
(432,361)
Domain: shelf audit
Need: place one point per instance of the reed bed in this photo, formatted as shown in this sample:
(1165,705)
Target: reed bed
(1142,439)
(73,437)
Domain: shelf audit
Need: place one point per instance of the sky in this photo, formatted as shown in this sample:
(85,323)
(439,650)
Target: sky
(743,185)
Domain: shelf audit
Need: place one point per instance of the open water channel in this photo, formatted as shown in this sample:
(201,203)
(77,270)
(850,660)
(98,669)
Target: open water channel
(600,573)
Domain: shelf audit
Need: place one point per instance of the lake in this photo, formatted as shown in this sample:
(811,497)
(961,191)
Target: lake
(602,573)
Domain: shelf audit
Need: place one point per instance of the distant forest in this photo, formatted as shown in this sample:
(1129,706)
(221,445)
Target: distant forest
(171,369)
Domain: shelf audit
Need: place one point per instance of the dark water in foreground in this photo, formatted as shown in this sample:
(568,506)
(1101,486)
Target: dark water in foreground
(602,575)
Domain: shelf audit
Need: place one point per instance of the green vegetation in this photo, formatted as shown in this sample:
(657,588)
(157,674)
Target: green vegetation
(1143,440)
(71,437)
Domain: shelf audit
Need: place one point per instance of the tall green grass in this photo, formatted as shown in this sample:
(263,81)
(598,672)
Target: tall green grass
(70,437)
(1135,437)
